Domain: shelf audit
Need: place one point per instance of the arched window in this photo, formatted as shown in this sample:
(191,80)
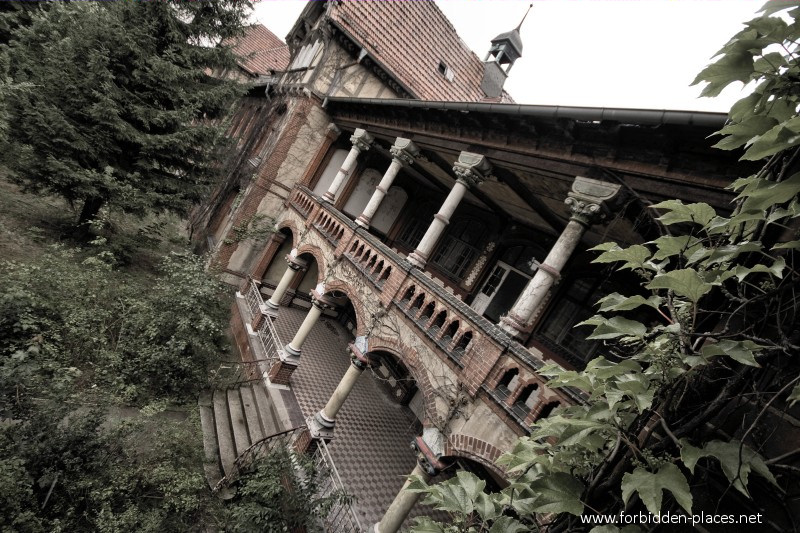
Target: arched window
(449,333)
(438,322)
(526,400)
(547,410)
(508,383)
(408,295)
(463,342)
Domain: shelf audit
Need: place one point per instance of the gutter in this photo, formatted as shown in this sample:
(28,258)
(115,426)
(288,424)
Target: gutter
(585,114)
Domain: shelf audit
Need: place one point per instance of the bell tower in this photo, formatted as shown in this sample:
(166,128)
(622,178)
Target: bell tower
(506,48)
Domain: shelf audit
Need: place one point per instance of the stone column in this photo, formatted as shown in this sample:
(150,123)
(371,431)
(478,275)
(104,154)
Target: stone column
(588,202)
(428,465)
(471,170)
(403,153)
(323,423)
(319,302)
(361,142)
(295,266)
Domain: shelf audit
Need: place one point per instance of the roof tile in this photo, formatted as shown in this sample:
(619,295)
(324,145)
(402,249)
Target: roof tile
(261,51)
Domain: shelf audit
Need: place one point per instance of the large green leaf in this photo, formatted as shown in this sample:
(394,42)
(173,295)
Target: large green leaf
(775,140)
(737,461)
(558,493)
(633,256)
(726,70)
(794,397)
(650,486)
(677,212)
(669,246)
(683,282)
(506,524)
(618,302)
(773,7)
(424,524)
(740,351)
(613,328)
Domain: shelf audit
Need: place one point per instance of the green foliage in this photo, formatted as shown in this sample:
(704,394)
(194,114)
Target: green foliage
(715,318)
(279,494)
(124,106)
(68,320)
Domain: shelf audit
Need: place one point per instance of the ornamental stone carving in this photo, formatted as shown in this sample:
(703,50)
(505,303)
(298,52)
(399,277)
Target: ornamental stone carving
(404,150)
(472,169)
(361,140)
(589,200)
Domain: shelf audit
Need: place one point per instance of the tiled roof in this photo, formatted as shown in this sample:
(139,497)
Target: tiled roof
(261,51)
(410,39)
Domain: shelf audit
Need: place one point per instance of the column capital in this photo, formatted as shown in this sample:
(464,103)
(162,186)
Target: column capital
(359,354)
(426,458)
(361,140)
(296,264)
(321,301)
(333,131)
(589,200)
(472,169)
(404,150)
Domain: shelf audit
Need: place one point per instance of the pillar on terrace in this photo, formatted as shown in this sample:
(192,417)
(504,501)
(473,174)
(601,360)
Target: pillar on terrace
(319,303)
(295,266)
(361,142)
(589,203)
(471,170)
(322,424)
(428,465)
(403,153)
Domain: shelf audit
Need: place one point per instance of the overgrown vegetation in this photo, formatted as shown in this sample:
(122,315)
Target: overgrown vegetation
(689,409)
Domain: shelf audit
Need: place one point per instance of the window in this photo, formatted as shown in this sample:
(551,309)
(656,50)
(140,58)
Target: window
(459,247)
(446,71)
(416,227)
(572,306)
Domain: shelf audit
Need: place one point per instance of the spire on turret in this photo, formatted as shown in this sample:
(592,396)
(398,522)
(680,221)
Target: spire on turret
(506,48)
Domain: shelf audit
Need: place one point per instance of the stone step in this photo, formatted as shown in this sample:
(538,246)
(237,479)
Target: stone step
(227,448)
(241,438)
(211,465)
(254,426)
(269,418)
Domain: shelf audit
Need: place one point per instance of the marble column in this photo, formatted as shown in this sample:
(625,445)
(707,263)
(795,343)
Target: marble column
(295,266)
(428,465)
(323,422)
(403,153)
(471,170)
(319,303)
(588,202)
(361,142)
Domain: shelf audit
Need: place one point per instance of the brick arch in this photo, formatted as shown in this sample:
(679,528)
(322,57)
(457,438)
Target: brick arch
(346,288)
(318,257)
(480,451)
(292,227)
(410,358)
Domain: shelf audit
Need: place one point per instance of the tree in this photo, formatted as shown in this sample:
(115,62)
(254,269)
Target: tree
(124,106)
(680,412)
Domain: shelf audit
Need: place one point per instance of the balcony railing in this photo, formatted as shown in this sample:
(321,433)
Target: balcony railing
(341,517)
(434,309)
(267,339)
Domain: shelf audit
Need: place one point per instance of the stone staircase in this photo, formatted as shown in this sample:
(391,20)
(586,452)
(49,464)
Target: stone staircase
(232,420)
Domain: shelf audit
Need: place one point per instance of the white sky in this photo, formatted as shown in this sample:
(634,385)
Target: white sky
(598,53)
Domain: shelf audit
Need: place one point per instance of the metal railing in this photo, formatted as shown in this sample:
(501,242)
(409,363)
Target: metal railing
(266,334)
(253,298)
(232,374)
(341,518)
(261,448)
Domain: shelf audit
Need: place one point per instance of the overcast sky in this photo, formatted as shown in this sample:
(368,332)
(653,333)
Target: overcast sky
(599,53)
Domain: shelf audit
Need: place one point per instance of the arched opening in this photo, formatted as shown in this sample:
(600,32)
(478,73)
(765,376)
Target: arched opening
(450,332)
(463,343)
(438,322)
(398,383)
(427,313)
(408,295)
(548,409)
(508,383)
(526,400)
(309,277)
(418,301)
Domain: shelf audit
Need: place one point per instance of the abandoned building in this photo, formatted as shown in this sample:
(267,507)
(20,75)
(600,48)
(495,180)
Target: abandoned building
(410,246)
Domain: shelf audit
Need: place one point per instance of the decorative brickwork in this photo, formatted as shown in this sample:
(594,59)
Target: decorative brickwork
(475,449)
(268,171)
(281,372)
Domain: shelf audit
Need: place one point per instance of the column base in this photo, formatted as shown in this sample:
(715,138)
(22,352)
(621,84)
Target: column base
(363,221)
(328,197)
(417,260)
(291,352)
(321,427)
(512,324)
(270,310)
